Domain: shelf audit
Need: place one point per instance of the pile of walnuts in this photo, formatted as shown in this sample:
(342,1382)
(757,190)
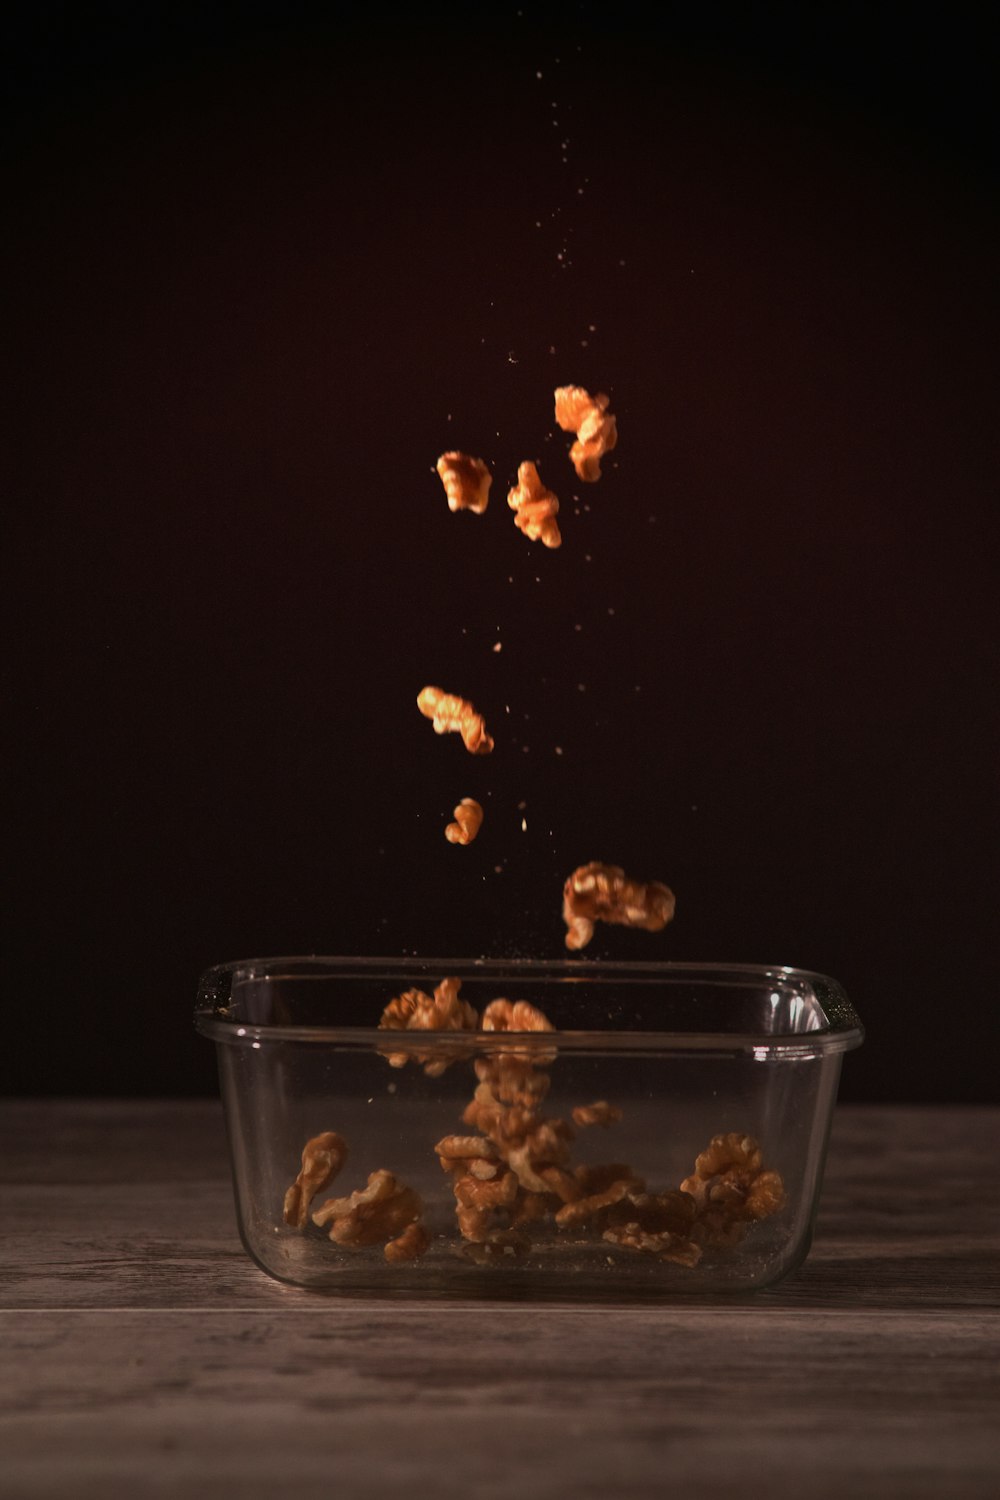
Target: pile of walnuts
(512,1169)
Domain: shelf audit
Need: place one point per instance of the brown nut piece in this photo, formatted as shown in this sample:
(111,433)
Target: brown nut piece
(415,1011)
(658,1224)
(380,1211)
(472,1156)
(662,1243)
(725,1151)
(470,1192)
(731,1188)
(506,1125)
(413,1242)
(322,1159)
(452,714)
(468,817)
(598,1113)
(520,1161)
(587,1210)
(512,1080)
(535,507)
(464,1148)
(514,1015)
(466,481)
(603,893)
(473,1223)
(766,1196)
(518,1015)
(595,427)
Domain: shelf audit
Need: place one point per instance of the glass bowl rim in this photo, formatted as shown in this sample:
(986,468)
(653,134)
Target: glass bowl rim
(843,1030)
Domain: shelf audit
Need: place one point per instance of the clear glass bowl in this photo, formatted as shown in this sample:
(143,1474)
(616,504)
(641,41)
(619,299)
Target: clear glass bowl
(673,1056)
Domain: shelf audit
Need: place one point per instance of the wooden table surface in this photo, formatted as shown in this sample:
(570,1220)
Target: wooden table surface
(145,1354)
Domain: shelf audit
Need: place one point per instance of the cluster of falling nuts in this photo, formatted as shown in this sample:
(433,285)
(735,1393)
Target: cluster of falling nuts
(467,482)
(595,891)
(467,479)
(512,1167)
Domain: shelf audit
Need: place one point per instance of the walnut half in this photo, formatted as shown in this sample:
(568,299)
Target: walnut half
(468,817)
(322,1159)
(598,892)
(596,429)
(535,507)
(466,481)
(451,714)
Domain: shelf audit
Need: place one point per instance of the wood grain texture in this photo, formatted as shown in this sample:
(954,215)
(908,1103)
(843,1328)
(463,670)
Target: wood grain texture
(144,1351)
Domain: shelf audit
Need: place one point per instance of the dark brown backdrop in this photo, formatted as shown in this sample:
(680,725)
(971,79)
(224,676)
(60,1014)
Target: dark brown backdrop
(263,268)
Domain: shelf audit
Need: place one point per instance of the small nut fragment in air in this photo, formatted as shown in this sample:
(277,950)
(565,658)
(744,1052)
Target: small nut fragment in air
(602,893)
(468,817)
(535,507)
(466,481)
(452,714)
(596,429)
(322,1159)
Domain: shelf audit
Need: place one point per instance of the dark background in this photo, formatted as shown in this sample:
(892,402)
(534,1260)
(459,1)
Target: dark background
(263,267)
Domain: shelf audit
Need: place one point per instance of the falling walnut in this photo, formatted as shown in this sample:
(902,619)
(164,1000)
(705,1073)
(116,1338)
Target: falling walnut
(468,817)
(466,482)
(452,714)
(596,429)
(603,893)
(535,507)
